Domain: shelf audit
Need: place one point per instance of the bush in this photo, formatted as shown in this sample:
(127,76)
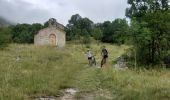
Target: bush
(5,36)
(24,33)
(86,39)
(97,33)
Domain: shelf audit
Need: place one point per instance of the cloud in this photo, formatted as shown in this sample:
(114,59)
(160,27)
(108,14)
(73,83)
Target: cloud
(22,12)
(101,10)
(32,11)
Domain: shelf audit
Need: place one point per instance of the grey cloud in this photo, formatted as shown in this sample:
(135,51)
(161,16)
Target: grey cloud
(101,10)
(24,11)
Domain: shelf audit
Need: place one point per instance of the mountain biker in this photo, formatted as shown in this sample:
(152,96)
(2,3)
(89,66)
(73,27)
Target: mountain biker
(104,56)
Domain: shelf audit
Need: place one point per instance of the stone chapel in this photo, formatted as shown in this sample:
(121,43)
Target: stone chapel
(53,35)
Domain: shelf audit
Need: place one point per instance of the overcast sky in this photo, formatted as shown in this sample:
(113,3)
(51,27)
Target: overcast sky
(39,11)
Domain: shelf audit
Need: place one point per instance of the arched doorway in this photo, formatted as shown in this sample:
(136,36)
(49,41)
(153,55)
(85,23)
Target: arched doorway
(52,39)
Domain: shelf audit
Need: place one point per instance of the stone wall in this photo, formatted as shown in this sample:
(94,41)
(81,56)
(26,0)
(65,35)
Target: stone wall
(42,37)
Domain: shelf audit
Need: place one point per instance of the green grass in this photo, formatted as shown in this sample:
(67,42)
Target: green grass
(28,71)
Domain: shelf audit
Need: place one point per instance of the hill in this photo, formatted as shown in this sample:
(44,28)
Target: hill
(4,22)
(28,72)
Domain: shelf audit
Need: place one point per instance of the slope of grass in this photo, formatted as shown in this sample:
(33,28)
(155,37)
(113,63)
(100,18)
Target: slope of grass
(28,71)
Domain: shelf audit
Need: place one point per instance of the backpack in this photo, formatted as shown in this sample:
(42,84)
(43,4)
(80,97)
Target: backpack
(105,53)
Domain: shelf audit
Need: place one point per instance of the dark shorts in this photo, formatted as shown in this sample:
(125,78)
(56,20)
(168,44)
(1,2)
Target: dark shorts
(105,56)
(89,58)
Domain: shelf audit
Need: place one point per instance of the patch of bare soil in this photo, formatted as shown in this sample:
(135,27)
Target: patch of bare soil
(46,98)
(68,94)
(71,94)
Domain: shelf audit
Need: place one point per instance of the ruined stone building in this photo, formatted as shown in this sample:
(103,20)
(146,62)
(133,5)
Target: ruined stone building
(53,35)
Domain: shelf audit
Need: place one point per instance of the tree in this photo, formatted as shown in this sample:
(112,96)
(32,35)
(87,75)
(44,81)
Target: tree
(152,15)
(86,24)
(77,27)
(107,32)
(120,27)
(97,33)
(36,27)
(75,19)
(141,37)
(110,32)
(115,32)
(24,33)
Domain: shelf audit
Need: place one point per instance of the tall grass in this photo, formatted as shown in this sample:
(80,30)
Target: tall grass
(28,71)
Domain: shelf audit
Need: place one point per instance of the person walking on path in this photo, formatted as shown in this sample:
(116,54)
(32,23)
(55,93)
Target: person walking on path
(104,56)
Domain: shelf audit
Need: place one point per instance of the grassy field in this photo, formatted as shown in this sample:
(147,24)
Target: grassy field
(28,72)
